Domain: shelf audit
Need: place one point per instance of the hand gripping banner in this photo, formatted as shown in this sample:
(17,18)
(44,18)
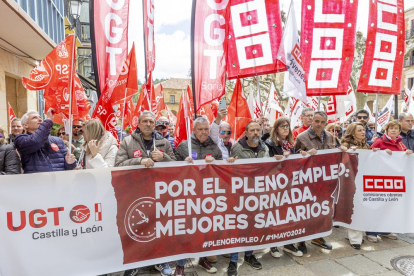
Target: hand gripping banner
(209,50)
(384,53)
(109,30)
(327,45)
(255,33)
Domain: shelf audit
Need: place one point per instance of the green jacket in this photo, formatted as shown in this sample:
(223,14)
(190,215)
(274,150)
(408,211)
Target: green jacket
(242,151)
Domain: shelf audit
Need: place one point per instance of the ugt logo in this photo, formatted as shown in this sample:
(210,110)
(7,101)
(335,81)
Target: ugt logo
(39,218)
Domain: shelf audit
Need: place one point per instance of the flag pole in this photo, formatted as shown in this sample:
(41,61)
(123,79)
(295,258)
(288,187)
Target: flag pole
(193,12)
(70,89)
(187,125)
(260,101)
(145,42)
(123,115)
(376,113)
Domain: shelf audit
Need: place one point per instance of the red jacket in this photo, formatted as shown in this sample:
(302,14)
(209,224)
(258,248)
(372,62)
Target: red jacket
(298,131)
(383,143)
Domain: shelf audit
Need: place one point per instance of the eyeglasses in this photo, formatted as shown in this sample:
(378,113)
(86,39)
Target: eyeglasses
(362,117)
(335,130)
(284,127)
(222,132)
(76,126)
(163,123)
(61,133)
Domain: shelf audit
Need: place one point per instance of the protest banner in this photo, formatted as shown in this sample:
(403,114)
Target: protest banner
(107,220)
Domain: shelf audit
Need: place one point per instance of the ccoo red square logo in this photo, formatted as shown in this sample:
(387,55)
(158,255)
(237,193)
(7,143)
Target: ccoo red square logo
(384,184)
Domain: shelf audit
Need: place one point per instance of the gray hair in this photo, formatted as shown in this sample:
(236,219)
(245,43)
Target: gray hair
(146,113)
(200,120)
(306,110)
(16,120)
(224,124)
(403,115)
(25,117)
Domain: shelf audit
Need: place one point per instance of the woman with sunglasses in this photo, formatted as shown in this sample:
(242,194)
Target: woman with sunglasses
(281,144)
(99,148)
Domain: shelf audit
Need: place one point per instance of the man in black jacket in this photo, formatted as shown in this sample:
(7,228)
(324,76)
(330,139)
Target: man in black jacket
(407,134)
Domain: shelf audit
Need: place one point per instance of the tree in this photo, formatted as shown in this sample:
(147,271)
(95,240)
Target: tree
(360,44)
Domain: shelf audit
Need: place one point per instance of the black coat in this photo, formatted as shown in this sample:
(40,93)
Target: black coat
(408,139)
(273,149)
(9,160)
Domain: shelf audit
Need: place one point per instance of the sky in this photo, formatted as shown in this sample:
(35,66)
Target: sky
(172,34)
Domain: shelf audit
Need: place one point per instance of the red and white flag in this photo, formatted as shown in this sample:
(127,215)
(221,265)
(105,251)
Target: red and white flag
(385,113)
(255,32)
(254,104)
(109,29)
(127,81)
(127,111)
(185,115)
(238,114)
(11,116)
(210,25)
(341,107)
(289,53)
(142,105)
(104,112)
(384,53)
(148,10)
(157,99)
(171,117)
(327,45)
(273,109)
(207,113)
(294,111)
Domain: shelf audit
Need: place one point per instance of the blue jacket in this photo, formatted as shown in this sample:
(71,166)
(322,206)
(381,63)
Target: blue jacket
(408,139)
(41,152)
(369,133)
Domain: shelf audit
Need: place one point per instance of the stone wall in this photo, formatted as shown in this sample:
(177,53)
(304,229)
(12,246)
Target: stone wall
(12,68)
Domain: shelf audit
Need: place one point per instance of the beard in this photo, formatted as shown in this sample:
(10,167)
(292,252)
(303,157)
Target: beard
(255,139)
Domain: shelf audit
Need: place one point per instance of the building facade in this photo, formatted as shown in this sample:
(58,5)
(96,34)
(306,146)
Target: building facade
(408,70)
(173,88)
(29,30)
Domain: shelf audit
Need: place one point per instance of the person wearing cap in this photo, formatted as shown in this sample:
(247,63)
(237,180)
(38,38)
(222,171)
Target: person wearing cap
(166,131)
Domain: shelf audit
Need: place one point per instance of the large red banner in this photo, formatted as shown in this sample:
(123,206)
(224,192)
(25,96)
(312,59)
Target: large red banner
(222,207)
(327,45)
(210,32)
(149,34)
(110,31)
(384,53)
(255,33)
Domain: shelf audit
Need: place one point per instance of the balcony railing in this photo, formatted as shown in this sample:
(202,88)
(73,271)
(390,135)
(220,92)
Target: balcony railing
(409,62)
(409,33)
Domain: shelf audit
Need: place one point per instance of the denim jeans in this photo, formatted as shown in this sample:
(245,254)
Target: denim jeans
(376,233)
(234,257)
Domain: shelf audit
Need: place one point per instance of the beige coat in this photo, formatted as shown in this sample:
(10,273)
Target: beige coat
(106,154)
(132,149)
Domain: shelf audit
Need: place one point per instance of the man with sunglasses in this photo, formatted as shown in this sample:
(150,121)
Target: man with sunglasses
(220,133)
(77,137)
(163,123)
(362,116)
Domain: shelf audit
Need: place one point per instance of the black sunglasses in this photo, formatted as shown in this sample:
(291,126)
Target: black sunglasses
(76,126)
(362,117)
(61,133)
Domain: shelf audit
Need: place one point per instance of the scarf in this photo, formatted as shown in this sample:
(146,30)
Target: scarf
(398,139)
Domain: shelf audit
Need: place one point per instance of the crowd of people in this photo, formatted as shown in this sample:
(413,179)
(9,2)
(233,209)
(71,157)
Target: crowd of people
(30,148)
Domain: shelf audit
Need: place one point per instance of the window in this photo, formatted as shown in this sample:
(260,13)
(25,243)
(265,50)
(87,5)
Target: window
(85,61)
(410,83)
(172,99)
(39,18)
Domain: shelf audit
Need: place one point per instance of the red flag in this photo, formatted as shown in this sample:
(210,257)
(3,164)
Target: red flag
(184,119)
(238,114)
(157,98)
(255,32)
(171,116)
(109,28)
(384,54)
(142,105)
(149,34)
(59,99)
(214,107)
(129,108)
(11,116)
(206,112)
(210,50)
(104,112)
(128,79)
(327,45)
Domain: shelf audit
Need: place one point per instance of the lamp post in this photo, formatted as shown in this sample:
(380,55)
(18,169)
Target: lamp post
(75,7)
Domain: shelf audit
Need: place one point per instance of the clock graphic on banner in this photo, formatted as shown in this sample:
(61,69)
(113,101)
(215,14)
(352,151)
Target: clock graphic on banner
(138,225)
